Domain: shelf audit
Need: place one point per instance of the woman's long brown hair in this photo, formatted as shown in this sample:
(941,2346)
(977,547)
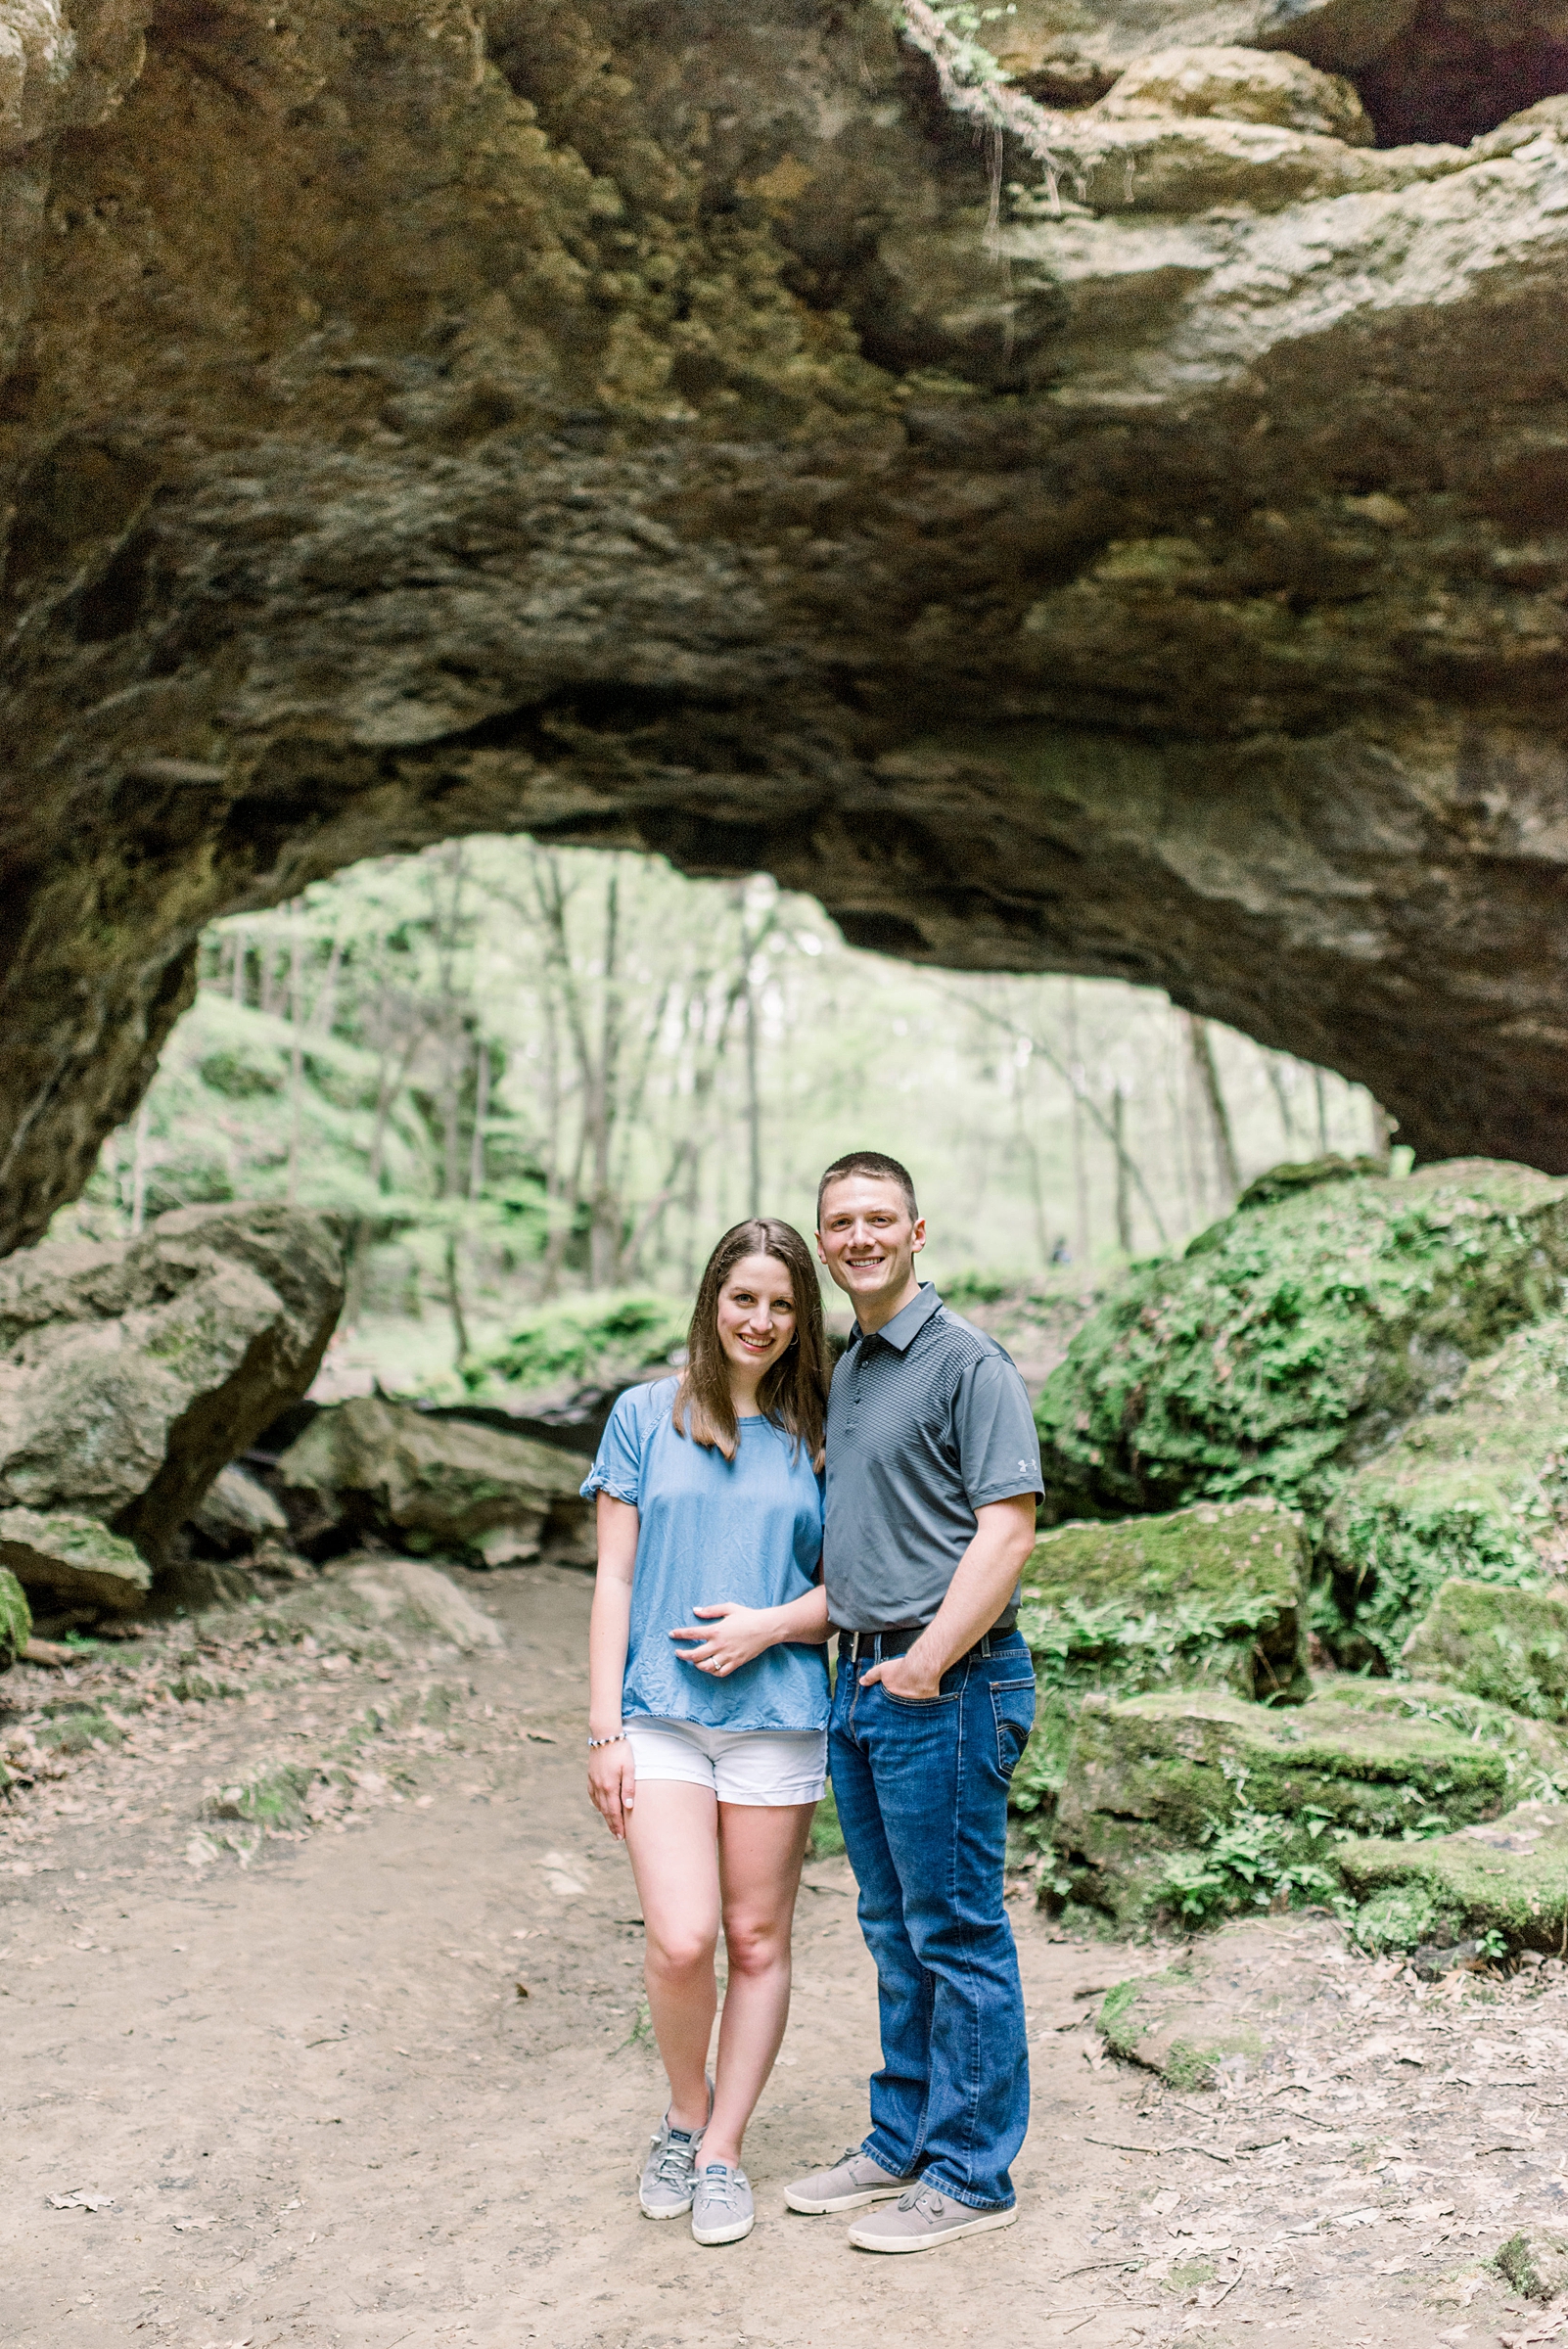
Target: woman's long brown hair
(793,1392)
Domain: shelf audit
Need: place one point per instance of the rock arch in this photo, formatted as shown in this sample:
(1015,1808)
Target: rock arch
(610,418)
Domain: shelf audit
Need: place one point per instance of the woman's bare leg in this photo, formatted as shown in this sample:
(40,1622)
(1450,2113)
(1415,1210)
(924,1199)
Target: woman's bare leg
(671,1835)
(759,1855)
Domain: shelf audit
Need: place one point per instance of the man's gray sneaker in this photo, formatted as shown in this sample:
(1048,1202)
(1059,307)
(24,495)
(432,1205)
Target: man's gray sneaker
(922,2219)
(722,2210)
(666,2190)
(853,2181)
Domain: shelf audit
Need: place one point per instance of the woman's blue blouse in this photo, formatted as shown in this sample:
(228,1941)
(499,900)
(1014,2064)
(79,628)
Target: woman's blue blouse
(710,1528)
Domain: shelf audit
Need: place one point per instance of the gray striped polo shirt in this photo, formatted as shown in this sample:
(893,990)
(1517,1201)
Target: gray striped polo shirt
(927,1421)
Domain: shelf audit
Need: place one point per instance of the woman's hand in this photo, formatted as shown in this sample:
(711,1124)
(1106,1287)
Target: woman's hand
(612,1784)
(724,1646)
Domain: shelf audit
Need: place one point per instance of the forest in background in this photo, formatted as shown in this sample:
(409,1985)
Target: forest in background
(537,1083)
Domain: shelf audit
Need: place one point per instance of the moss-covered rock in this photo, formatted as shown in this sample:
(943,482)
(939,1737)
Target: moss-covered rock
(1510,1646)
(1478,1490)
(438,1485)
(1195,1803)
(1208,1596)
(1292,1339)
(73,1561)
(16,1619)
(1503,1883)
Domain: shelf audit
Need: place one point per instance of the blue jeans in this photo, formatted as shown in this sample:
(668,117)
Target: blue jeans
(922,1799)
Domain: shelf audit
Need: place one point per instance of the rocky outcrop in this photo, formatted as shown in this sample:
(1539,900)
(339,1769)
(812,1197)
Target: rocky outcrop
(618,422)
(1188,1803)
(132,1371)
(1212,1596)
(237,1513)
(1508,1645)
(1504,1885)
(433,1485)
(1477,1490)
(1294,1339)
(73,1561)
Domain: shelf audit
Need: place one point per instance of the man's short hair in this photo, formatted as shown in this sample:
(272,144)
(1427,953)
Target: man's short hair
(880,1167)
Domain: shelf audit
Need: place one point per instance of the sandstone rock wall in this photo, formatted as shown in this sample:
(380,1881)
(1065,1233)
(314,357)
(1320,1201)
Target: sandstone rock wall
(617,422)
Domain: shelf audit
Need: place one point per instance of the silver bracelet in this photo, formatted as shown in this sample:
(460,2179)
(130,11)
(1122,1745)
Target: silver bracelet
(594,1744)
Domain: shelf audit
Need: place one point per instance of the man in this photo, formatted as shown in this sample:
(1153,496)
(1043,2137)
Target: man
(932,1473)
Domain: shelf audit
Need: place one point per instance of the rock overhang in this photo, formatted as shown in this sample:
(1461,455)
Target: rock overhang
(1174,592)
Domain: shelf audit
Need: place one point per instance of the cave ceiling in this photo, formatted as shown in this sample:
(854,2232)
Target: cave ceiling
(1132,540)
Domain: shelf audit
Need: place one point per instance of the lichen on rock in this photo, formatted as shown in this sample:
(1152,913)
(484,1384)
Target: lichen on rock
(1477,1490)
(1292,1340)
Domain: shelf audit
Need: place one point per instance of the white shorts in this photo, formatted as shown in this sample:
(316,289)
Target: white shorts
(764,1767)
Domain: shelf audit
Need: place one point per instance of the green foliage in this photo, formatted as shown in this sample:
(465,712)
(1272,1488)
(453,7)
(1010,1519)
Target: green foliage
(1401,1918)
(79,1731)
(1477,1492)
(1290,1340)
(269,1799)
(826,1840)
(585,1341)
(1510,1646)
(16,1619)
(1242,1861)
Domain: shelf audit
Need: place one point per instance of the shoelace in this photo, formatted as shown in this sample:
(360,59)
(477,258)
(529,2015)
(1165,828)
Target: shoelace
(675,2164)
(719,2184)
(923,2198)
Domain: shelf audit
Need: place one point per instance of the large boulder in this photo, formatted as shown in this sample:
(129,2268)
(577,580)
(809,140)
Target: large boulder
(132,1370)
(433,1485)
(1191,1803)
(1214,1595)
(73,1561)
(16,1619)
(238,1512)
(1508,1645)
(1477,1490)
(1502,1884)
(1292,1339)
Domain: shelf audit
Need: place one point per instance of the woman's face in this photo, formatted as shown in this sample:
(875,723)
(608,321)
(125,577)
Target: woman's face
(755,1313)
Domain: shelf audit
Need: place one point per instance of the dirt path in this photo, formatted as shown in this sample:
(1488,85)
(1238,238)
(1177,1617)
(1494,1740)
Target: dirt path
(299,2066)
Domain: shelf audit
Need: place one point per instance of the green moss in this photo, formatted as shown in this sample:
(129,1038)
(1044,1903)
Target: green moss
(1211,1595)
(16,1620)
(1508,1645)
(78,1732)
(1507,1878)
(273,1798)
(1170,2023)
(1292,1339)
(1478,1491)
(1401,1918)
(1195,1803)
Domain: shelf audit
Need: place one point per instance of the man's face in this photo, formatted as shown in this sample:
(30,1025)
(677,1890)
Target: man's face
(866,1237)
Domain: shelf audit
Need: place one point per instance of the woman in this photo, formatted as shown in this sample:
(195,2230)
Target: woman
(708,1691)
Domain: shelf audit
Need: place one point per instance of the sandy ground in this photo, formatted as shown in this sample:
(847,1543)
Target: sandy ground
(300,2070)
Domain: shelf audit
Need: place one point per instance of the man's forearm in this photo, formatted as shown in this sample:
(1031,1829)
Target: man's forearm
(983,1583)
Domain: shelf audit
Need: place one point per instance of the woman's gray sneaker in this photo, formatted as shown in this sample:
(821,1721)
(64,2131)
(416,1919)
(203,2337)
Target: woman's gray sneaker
(922,2219)
(853,2181)
(722,2210)
(666,2190)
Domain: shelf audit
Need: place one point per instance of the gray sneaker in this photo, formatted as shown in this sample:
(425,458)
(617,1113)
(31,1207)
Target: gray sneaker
(853,2181)
(667,2186)
(722,2210)
(922,2219)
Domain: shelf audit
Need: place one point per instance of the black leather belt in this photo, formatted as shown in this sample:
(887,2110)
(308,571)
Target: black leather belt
(874,1647)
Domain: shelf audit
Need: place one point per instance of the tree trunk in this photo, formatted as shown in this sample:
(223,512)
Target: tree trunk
(295,1051)
(1321,1092)
(1224,1147)
(1123,1189)
(1081,1203)
(454,1303)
